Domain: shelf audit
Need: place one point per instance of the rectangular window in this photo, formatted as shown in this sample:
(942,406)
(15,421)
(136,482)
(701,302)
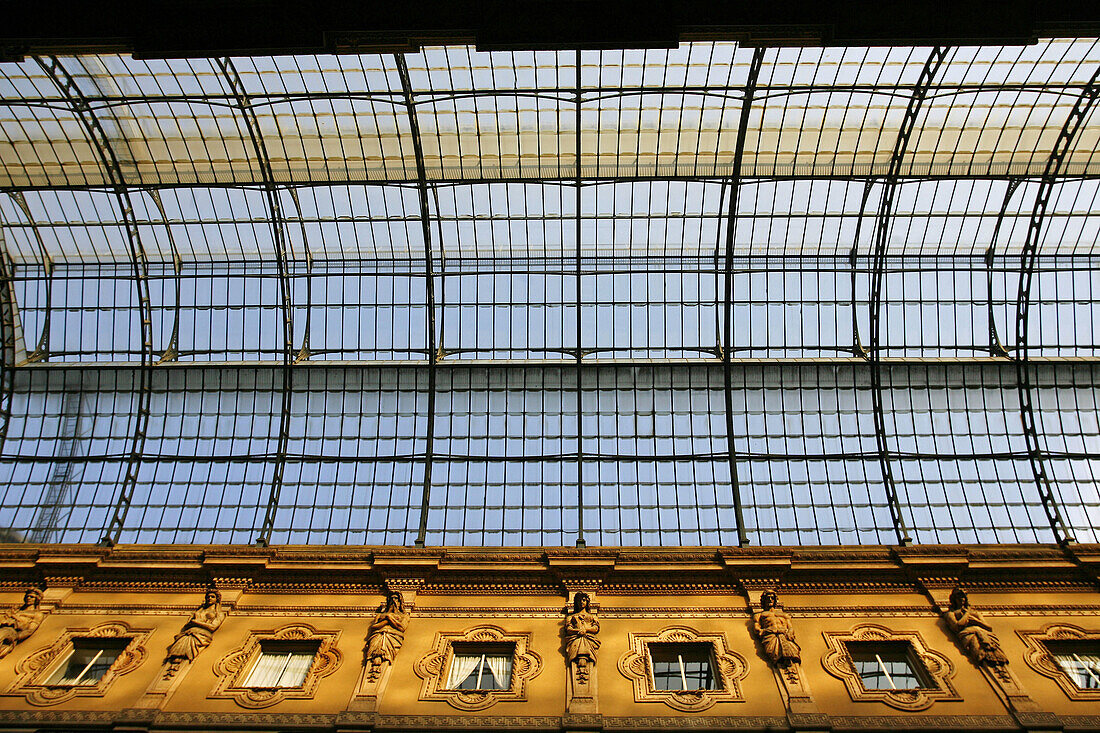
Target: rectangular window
(889,665)
(89,661)
(1081,661)
(480,667)
(682,666)
(282,665)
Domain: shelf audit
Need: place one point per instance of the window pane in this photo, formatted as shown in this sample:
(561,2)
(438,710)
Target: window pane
(1080,661)
(88,663)
(281,668)
(886,666)
(682,667)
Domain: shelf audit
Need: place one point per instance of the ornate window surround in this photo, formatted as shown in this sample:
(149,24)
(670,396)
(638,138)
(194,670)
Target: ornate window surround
(432,668)
(938,668)
(232,670)
(1040,659)
(33,672)
(729,669)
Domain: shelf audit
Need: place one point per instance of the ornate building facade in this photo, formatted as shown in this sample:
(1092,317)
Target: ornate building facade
(392,639)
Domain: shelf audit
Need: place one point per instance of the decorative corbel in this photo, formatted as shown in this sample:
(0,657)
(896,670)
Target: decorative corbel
(193,638)
(775,634)
(980,644)
(384,638)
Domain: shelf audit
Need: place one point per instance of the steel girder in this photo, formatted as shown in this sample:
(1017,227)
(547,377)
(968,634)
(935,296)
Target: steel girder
(108,157)
(433,349)
(727,302)
(279,237)
(878,275)
(1028,260)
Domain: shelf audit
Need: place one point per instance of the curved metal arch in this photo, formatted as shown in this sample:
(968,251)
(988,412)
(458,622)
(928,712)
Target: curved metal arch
(1028,259)
(726,346)
(996,348)
(108,157)
(878,275)
(42,347)
(433,350)
(171,350)
(278,229)
(9,340)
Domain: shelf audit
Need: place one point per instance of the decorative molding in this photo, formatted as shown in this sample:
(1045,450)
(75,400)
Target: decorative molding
(432,668)
(730,669)
(709,722)
(233,668)
(33,672)
(925,722)
(838,662)
(1040,659)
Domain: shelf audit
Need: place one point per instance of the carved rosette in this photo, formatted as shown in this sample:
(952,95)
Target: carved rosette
(232,670)
(32,672)
(731,669)
(838,662)
(432,668)
(1042,661)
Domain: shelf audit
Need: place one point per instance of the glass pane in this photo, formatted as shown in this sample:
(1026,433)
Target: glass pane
(1080,661)
(87,664)
(682,667)
(886,666)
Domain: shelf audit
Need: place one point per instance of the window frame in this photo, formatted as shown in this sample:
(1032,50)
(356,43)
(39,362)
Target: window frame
(289,649)
(1041,646)
(235,669)
(102,644)
(37,675)
(501,651)
(904,654)
(434,668)
(705,649)
(728,668)
(934,670)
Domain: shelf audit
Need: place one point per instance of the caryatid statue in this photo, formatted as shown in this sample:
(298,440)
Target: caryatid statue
(386,634)
(975,635)
(581,628)
(773,628)
(20,622)
(197,633)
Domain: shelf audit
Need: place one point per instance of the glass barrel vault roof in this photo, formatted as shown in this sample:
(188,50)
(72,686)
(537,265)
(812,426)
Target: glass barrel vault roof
(703,295)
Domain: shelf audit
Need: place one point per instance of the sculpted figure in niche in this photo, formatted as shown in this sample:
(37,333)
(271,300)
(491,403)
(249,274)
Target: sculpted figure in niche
(773,628)
(386,633)
(21,621)
(197,633)
(974,633)
(581,627)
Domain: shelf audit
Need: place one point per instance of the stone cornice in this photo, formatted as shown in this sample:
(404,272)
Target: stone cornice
(494,571)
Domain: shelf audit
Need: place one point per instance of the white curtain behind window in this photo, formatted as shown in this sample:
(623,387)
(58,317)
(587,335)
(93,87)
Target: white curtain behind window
(296,670)
(501,667)
(461,667)
(268,670)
